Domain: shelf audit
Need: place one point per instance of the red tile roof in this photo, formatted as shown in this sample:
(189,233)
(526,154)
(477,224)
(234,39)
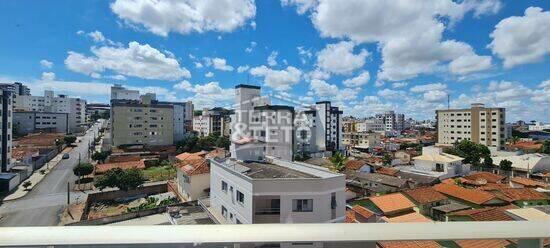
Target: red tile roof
(196,163)
(387,171)
(425,195)
(522,194)
(392,202)
(358,214)
(487,214)
(408,244)
(488,177)
(410,217)
(483,243)
(478,197)
(527,182)
(355,164)
(102,168)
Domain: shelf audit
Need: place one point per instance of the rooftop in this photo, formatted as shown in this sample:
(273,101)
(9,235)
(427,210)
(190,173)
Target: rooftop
(387,171)
(102,168)
(381,178)
(425,195)
(487,214)
(453,207)
(406,218)
(521,194)
(487,176)
(527,182)
(268,170)
(392,202)
(469,195)
(358,214)
(534,213)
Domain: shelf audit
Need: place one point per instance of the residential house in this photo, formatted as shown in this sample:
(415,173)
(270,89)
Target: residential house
(538,213)
(390,205)
(522,182)
(193,173)
(472,197)
(441,213)
(360,214)
(485,177)
(434,162)
(375,183)
(531,163)
(406,218)
(483,214)
(523,197)
(425,199)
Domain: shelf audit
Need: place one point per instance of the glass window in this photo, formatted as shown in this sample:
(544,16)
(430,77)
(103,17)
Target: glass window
(224,186)
(302,205)
(240,197)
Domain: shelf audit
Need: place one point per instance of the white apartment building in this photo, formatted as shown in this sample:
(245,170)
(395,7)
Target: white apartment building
(211,121)
(118,92)
(258,128)
(435,163)
(74,107)
(6,130)
(370,125)
(478,124)
(362,140)
(183,113)
(275,191)
(319,129)
(393,123)
(538,126)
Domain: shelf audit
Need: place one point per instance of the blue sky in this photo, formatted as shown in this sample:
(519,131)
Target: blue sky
(366,56)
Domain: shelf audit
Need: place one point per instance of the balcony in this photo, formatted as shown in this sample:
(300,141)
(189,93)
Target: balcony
(525,233)
(267,209)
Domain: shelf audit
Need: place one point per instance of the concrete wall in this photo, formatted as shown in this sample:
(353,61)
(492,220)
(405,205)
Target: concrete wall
(32,122)
(194,189)
(218,197)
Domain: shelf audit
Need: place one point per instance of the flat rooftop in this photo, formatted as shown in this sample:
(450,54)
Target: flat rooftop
(266,170)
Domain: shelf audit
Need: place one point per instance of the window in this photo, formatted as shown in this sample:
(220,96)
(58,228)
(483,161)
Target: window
(224,212)
(240,197)
(224,186)
(333,203)
(302,205)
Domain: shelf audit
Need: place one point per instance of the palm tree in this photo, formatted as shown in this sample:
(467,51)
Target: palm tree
(338,161)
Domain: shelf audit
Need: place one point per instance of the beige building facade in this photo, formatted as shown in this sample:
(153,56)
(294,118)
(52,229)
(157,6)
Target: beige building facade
(478,124)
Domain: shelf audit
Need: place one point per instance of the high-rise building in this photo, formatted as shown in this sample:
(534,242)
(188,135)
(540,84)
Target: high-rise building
(478,124)
(183,113)
(211,121)
(258,128)
(370,125)
(74,107)
(6,132)
(118,92)
(319,128)
(393,123)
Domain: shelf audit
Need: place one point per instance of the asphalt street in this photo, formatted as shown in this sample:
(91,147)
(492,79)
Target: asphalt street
(43,205)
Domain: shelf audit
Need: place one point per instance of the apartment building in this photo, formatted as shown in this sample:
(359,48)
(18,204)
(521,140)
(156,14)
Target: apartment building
(33,122)
(275,191)
(74,107)
(6,132)
(349,124)
(143,122)
(118,92)
(478,124)
(212,121)
(361,140)
(258,128)
(96,109)
(370,125)
(183,114)
(319,128)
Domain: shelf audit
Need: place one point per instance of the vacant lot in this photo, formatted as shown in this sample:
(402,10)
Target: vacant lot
(160,173)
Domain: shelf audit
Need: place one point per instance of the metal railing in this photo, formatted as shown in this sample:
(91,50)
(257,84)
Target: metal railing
(527,233)
(262,211)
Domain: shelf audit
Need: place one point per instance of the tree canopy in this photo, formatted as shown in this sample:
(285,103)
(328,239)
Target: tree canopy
(338,161)
(470,151)
(83,169)
(122,179)
(69,139)
(545,147)
(505,165)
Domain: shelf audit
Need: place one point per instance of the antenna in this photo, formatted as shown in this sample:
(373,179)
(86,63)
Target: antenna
(448,101)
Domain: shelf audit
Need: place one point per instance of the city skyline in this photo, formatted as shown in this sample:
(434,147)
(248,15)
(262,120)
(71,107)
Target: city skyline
(307,52)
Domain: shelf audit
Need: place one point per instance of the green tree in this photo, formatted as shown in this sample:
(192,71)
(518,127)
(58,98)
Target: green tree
(505,165)
(338,161)
(83,169)
(100,156)
(470,151)
(545,148)
(122,179)
(223,142)
(187,143)
(26,185)
(386,160)
(69,139)
(487,162)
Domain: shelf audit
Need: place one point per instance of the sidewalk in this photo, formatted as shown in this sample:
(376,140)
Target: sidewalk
(36,177)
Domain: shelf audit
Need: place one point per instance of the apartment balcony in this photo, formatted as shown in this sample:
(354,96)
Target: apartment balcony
(523,233)
(267,209)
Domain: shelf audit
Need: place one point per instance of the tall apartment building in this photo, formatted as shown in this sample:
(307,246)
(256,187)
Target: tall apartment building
(349,124)
(118,92)
(259,129)
(212,121)
(362,140)
(34,122)
(394,123)
(17,89)
(6,132)
(74,107)
(275,191)
(143,122)
(183,114)
(478,124)
(370,125)
(319,128)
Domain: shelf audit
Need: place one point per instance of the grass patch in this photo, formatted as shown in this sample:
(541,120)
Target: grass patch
(160,173)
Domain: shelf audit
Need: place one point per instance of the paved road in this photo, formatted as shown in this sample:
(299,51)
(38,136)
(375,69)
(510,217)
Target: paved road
(44,204)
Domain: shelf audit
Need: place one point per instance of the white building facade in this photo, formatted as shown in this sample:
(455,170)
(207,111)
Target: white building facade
(319,129)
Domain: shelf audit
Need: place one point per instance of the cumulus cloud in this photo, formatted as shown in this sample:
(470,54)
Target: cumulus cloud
(272,58)
(278,79)
(522,39)
(305,54)
(428,87)
(243,68)
(163,17)
(399,85)
(470,63)
(97,36)
(198,65)
(136,60)
(48,76)
(391,94)
(46,64)
(302,6)
(249,49)
(358,81)
(209,74)
(324,90)
(409,33)
(339,58)
(207,95)
(221,64)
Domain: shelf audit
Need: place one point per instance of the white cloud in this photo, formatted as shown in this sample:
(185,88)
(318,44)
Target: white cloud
(95,75)
(305,54)
(278,79)
(339,58)
(163,17)
(470,63)
(117,77)
(198,65)
(391,94)
(435,95)
(542,95)
(302,6)
(97,36)
(136,60)
(221,64)
(359,80)
(317,74)
(46,64)
(183,85)
(272,58)
(249,49)
(428,87)
(48,76)
(324,90)
(209,74)
(522,39)
(243,68)
(253,25)
(409,33)
(208,94)
(399,85)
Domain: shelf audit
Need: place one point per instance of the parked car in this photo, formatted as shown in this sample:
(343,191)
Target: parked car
(65,156)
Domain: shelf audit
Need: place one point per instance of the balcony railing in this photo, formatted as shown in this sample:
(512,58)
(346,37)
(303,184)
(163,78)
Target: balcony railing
(527,233)
(261,211)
